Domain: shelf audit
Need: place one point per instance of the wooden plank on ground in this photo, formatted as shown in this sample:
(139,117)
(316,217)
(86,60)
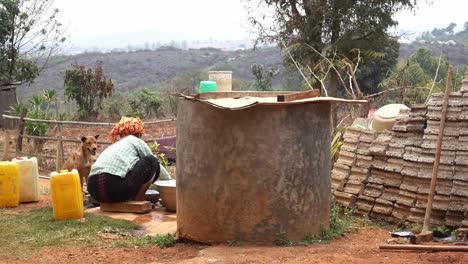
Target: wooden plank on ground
(424,247)
(298,95)
(139,207)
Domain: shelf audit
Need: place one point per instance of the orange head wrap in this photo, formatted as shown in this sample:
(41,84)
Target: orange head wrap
(127,126)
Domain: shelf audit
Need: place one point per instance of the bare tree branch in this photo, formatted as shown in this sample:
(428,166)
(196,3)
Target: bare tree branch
(297,66)
(434,80)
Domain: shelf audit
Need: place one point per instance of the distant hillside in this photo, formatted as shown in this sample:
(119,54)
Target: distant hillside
(131,70)
(457,54)
(453,44)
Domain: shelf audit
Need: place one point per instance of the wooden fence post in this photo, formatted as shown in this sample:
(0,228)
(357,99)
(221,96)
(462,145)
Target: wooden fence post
(19,141)
(59,162)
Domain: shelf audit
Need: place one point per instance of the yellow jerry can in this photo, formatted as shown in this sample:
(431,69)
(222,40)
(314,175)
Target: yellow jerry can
(67,199)
(9,184)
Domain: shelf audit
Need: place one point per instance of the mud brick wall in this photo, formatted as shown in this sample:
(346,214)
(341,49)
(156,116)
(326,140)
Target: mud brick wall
(387,175)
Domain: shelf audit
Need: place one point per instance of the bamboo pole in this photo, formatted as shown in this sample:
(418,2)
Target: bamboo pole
(424,247)
(75,140)
(59,159)
(82,123)
(6,155)
(19,141)
(435,170)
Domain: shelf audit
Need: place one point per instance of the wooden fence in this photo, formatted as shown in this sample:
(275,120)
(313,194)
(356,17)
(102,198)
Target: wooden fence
(59,138)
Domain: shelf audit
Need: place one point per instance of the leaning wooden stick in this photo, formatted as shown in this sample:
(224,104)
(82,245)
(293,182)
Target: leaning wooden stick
(435,170)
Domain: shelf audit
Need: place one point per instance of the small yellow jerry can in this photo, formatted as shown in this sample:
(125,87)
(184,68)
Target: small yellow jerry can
(67,199)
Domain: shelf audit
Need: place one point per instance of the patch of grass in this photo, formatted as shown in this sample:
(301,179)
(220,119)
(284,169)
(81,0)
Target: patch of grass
(365,221)
(233,243)
(283,241)
(341,221)
(163,241)
(24,233)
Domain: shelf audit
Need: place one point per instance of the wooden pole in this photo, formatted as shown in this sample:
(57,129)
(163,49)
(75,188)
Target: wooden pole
(59,160)
(424,247)
(76,140)
(82,123)
(6,142)
(403,92)
(19,141)
(435,170)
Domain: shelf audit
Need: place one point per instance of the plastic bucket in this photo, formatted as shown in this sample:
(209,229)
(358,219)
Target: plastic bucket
(207,86)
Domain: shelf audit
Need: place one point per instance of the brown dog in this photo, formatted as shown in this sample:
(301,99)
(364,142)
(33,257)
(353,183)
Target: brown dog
(82,158)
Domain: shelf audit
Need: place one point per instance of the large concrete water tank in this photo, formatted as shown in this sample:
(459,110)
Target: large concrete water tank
(256,174)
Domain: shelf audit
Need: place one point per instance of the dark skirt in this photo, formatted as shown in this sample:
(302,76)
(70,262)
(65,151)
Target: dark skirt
(107,188)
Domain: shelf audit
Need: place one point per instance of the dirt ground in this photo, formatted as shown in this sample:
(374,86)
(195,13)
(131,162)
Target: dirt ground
(359,247)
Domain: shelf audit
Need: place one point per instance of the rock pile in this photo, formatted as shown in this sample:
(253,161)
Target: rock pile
(387,174)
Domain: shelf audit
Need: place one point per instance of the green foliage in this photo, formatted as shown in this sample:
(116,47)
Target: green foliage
(334,28)
(336,144)
(341,221)
(234,243)
(28,32)
(185,83)
(162,241)
(291,80)
(144,103)
(88,88)
(418,76)
(39,106)
(115,106)
(283,241)
(377,64)
(262,77)
(161,156)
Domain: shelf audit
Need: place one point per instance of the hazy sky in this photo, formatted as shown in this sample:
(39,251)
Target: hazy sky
(96,22)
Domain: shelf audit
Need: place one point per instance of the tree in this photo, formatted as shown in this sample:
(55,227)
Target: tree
(144,103)
(450,28)
(262,77)
(29,35)
(343,33)
(422,74)
(88,88)
(332,29)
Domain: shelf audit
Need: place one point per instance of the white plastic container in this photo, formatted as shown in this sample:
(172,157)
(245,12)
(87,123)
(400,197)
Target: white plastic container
(28,178)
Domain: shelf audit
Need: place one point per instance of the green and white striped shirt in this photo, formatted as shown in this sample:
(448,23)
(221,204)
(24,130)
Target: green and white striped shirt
(120,157)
